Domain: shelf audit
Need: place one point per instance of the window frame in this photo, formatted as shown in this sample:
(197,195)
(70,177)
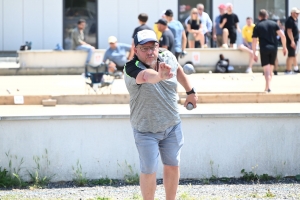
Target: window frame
(286,10)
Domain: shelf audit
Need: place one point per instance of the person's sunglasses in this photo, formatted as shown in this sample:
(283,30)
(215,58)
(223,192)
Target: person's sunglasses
(194,13)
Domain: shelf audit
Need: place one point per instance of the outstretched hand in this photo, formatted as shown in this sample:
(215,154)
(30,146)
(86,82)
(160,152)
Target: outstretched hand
(164,71)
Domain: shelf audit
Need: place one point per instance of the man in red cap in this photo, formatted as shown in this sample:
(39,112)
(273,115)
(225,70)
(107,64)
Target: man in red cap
(217,31)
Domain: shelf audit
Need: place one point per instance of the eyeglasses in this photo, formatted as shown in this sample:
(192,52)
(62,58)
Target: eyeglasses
(194,13)
(200,8)
(146,49)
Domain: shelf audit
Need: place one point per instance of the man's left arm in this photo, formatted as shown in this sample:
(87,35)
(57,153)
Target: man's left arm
(184,81)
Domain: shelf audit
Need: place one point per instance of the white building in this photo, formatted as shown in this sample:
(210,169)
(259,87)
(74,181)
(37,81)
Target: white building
(48,22)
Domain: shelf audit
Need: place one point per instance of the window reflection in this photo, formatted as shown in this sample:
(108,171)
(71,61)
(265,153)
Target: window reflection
(275,8)
(80,9)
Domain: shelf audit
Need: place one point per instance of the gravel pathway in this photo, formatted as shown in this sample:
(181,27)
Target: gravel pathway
(188,190)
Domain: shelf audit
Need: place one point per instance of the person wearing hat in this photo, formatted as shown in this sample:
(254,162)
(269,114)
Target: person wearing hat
(292,36)
(151,79)
(116,54)
(178,31)
(217,31)
(167,38)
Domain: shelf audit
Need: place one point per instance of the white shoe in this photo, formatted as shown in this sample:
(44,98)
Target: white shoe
(225,46)
(249,70)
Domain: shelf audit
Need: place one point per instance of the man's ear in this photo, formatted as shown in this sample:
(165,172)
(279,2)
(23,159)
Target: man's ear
(135,50)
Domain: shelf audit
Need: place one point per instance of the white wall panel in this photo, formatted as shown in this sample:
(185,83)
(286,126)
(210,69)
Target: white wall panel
(239,9)
(1,27)
(169,4)
(53,23)
(151,8)
(108,21)
(12,24)
(128,21)
(33,22)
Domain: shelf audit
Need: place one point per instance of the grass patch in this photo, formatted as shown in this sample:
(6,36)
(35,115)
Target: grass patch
(79,177)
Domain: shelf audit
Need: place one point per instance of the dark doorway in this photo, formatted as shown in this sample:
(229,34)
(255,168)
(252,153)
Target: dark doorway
(80,9)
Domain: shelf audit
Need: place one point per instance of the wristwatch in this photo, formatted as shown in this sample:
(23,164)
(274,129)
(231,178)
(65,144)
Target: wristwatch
(191,92)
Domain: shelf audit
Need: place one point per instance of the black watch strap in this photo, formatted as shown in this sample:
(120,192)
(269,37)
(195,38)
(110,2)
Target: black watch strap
(191,92)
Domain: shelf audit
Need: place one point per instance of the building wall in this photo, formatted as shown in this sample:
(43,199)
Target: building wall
(103,145)
(122,23)
(38,21)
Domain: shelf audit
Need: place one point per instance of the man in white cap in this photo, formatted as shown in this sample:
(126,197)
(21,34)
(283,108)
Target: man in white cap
(116,54)
(292,36)
(151,79)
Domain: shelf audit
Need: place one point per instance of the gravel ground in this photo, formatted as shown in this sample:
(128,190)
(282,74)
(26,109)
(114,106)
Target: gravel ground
(188,190)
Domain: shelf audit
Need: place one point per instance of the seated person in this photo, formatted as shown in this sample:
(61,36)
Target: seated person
(116,54)
(78,42)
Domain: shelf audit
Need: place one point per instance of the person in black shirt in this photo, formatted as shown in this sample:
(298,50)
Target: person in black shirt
(266,31)
(292,36)
(167,38)
(143,18)
(229,23)
(194,27)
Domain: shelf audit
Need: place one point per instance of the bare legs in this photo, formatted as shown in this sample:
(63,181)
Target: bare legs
(200,37)
(246,49)
(148,185)
(268,71)
(171,180)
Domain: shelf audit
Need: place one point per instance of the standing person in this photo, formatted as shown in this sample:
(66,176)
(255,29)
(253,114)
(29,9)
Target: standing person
(155,26)
(167,39)
(266,31)
(292,36)
(152,78)
(116,54)
(194,27)
(205,19)
(142,18)
(229,24)
(217,31)
(78,42)
(247,32)
(178,31)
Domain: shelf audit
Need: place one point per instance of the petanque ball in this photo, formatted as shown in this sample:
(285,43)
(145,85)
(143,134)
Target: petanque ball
(188,69)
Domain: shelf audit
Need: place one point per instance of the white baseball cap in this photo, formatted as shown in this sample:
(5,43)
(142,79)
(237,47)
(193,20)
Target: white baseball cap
(295,10)
(112,39)
(144,36)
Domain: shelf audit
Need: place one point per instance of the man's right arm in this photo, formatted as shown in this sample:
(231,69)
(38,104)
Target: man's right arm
(183,40)
(149,75)
(283,41)
(223,21)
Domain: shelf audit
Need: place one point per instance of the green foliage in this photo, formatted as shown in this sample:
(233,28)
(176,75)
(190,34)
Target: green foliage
(10,178)
(131,178)
(103,198)
(79,177)
(249,176)
(104,181)
(224,179)
(297,177)
(40,176)
(269,194)
(265,177)
(185,196)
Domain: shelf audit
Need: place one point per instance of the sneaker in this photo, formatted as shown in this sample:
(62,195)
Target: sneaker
(268,91)
(288,72)
(249,70)
(225,46)
(296,71)
(275,72)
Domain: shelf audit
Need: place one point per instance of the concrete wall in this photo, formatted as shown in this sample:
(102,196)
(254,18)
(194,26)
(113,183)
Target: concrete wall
(38,21)
(123,22)
(271,142)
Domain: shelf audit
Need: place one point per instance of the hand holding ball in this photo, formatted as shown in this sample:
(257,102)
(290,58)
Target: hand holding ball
(189,106)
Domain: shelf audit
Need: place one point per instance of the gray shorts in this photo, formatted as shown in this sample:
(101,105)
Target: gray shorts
(149,145)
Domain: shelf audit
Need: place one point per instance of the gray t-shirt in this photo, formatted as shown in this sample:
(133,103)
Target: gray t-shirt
(77,36)
(153,107)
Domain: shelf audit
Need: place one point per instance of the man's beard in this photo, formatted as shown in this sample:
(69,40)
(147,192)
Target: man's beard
(151,61)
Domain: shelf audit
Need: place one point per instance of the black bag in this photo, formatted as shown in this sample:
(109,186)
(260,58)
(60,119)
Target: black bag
(25,47)
(222,65)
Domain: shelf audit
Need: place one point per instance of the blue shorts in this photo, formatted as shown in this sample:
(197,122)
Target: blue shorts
(168,144)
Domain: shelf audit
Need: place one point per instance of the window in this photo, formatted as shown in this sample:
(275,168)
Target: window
(80,9)
(277,9)
(185,7)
